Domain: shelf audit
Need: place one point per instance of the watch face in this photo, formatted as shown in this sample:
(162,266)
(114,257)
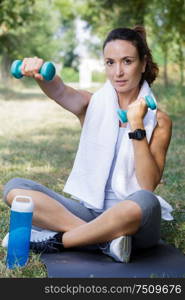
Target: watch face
(140,134)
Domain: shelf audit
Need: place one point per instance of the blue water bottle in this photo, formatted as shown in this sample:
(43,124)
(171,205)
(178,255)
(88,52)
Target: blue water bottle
(19,231)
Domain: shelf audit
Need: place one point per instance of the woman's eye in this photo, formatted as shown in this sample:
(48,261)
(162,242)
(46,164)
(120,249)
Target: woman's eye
(109,62)
(127,61)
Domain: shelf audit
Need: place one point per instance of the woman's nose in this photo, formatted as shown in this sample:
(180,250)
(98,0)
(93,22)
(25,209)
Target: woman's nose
(119,70)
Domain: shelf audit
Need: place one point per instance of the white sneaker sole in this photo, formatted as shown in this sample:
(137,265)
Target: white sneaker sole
(36,236)
(120,249)
(4,242)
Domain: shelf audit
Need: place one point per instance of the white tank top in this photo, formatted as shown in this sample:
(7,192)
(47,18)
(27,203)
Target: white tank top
(110,197)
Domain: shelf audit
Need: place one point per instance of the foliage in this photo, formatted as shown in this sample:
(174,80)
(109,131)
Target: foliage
(98,76)
(53,23)
(14,13)
(104,15)
(42,24)
(164,20)
(30,34)
(68,33)
(172,98)
(69,75)
(40,34)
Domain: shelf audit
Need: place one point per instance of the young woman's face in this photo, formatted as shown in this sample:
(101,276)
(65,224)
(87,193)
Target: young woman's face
(123,66)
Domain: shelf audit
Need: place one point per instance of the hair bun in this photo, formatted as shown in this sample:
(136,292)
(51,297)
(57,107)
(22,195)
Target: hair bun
(141,31)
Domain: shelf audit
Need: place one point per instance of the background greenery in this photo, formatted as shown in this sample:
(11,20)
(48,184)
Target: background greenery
(28,27)
(38,139)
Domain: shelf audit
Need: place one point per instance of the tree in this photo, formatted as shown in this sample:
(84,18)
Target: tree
(177,16)
(27,28)
(104,15)
(167,20)
(13,15)
(68,15)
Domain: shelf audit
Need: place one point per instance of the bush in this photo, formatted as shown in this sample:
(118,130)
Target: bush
(69,75)
(98,76)
(171,98)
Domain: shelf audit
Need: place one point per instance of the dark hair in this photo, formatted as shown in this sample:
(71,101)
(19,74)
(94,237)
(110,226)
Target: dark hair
(137,36)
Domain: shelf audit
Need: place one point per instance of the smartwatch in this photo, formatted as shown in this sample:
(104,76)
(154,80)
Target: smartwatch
(137,134)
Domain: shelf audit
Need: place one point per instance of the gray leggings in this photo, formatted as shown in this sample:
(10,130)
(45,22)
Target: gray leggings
(148,234)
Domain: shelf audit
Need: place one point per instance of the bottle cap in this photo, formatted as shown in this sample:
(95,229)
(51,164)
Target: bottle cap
(22,204)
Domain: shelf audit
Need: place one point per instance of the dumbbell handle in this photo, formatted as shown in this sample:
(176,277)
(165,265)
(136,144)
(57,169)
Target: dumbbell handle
(122,114)
(47,70)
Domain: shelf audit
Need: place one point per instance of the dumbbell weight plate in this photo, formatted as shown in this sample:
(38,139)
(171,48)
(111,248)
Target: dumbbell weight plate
(48,70)
(122,114)
(150,102)
(16,69)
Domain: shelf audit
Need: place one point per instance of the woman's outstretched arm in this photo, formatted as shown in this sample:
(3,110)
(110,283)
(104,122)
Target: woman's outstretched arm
(75,101)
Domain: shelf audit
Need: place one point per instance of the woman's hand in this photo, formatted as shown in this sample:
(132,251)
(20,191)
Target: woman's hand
(136,112)
(31,66)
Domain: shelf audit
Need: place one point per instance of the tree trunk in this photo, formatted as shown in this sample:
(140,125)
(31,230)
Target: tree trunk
(5,69)
(181,65)
(166,67)
(140,12)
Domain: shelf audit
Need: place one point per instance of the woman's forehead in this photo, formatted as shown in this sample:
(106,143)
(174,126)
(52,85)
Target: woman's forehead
(120,48)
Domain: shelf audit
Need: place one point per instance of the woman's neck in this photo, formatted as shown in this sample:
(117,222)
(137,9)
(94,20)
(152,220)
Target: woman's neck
(125,99)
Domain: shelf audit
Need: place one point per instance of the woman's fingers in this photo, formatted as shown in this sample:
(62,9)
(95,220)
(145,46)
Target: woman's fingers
(31,66)
(137,110)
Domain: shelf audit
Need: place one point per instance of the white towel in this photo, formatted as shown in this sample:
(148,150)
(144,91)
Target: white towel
(96,151)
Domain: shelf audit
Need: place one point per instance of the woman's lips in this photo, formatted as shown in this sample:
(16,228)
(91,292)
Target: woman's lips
(121,82)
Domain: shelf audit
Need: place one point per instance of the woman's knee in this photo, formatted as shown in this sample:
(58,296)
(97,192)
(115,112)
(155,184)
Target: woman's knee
(131,214)
(12,189)
(11,195)
(147,201)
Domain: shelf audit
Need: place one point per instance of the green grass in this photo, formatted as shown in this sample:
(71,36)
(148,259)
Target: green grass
(172,187)
(39,139)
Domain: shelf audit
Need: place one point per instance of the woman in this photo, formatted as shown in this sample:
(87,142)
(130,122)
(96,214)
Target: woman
(113,176)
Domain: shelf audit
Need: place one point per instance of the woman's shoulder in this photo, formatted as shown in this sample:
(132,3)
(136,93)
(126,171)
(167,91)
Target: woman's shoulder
(163,119)
(163,131)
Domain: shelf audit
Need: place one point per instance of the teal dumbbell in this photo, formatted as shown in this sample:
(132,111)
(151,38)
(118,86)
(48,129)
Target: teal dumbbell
(122,114)
(47,70)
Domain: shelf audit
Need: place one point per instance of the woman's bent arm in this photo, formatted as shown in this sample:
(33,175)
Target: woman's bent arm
(150,158)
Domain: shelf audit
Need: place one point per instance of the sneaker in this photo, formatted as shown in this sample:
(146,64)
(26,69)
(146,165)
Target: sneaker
(4,242)
(44,241)
(119,249)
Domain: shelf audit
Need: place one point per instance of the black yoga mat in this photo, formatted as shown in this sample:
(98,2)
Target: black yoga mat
(162,261)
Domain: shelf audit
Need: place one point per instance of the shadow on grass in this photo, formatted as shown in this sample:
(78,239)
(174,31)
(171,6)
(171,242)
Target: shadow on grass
(48,161)
(9,94)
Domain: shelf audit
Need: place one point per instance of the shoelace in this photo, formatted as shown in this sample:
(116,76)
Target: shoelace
(48,245)
(42,240)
